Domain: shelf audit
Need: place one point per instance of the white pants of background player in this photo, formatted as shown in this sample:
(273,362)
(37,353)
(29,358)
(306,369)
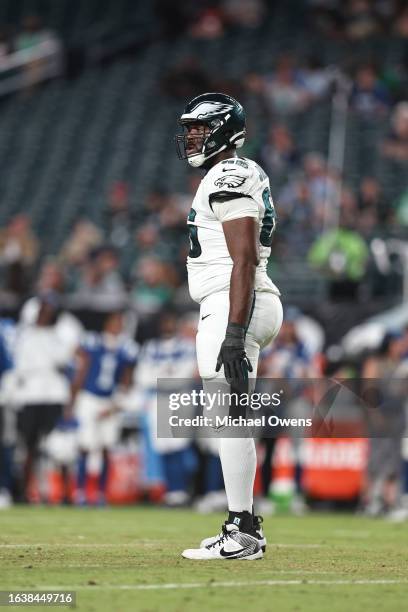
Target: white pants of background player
(95,433)
(238,455)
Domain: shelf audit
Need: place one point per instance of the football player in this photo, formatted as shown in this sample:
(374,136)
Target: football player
(230,224)
(104,368)
(170,355)
(7,415)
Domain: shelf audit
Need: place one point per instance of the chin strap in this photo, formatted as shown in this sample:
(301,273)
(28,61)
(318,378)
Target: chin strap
(198,159)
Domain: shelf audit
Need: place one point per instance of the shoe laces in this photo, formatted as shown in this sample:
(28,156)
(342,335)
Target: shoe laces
(224,535)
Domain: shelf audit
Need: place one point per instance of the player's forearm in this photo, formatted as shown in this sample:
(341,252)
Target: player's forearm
(241,292)
(76,386)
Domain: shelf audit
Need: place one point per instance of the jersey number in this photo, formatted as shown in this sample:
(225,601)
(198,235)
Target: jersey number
(107,372)
(268,221)
(195,246)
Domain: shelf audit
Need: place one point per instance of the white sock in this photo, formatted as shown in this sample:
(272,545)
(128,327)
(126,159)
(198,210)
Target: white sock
(238,461)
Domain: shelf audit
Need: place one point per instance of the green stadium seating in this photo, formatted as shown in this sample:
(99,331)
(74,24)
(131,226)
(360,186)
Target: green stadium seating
(63,146)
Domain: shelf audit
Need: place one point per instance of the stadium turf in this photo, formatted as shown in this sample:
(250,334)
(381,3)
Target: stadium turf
(126,559)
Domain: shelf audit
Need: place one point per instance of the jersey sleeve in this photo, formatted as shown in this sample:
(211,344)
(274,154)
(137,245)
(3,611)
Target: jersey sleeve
(130,353)
(89,342)
(235,209)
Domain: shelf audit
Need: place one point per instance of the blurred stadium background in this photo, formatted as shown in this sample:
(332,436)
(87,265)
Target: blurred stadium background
(93,202)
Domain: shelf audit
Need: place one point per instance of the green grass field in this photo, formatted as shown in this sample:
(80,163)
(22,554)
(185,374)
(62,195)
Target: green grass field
(126,559)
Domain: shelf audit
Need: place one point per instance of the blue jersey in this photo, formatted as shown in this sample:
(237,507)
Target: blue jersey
(106,363)
(288,361)
(171,358)
(7,338)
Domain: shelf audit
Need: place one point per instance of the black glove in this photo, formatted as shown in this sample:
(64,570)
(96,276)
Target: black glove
(232,355)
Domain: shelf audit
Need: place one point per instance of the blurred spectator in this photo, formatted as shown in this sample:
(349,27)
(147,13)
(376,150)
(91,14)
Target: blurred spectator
(318,187)
(288,356)
(209,24)
(348,207)
(154,285)
(51,280)
(19,250)
(360,19)
(41,47)
(369,96)
(315,77)
(370,194)
(147,238)
(372,207)
(182,201)
(32,33)
(321,184)
(342,255)
(173,216)
(101,285)
(41,389)
(279,155)
(84,237)
(283,90)
(297,220)
(244,13)
(119,216)
(156,201)
(395,146)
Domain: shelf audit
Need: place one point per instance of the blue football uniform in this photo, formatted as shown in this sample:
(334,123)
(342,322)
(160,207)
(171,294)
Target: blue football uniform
(107,363)
(7,340)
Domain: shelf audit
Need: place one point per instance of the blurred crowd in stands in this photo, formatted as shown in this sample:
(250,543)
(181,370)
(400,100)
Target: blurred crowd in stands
(339,19)
(359,19)
(141,250)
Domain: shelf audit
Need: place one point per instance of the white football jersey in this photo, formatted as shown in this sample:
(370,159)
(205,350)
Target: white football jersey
(232,189)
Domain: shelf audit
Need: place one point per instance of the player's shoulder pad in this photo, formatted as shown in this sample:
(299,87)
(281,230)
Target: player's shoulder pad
(90,341)
(230,178)
(130,349)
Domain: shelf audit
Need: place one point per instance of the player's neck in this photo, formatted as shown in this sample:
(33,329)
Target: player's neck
(227,154)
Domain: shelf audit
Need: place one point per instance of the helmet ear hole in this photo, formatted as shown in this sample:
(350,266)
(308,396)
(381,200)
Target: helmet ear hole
(214,123)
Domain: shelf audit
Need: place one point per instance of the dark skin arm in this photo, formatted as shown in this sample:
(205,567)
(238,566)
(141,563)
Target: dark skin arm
(82,366)
(126,377)
(241,236)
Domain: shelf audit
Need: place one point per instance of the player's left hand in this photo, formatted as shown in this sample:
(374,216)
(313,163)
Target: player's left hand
(232,355)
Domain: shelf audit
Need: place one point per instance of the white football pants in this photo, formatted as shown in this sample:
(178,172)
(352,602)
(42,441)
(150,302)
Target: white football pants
(238,455)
